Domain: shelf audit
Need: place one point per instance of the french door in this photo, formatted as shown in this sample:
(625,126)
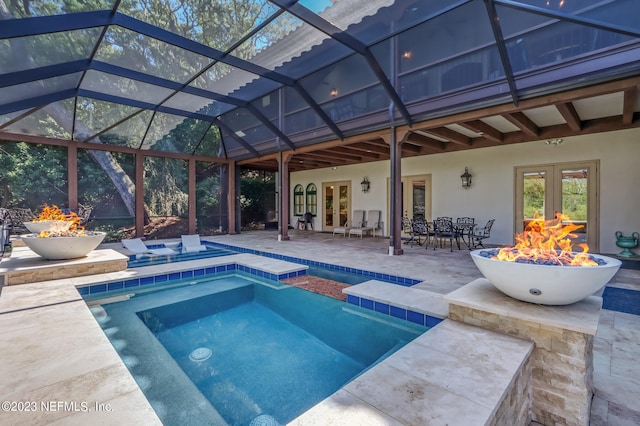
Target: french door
(337,204)
(416,197)
(568,188)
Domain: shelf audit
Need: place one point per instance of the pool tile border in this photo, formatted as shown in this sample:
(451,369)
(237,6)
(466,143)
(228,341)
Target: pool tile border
(213,271)
(394,311)
(393,279)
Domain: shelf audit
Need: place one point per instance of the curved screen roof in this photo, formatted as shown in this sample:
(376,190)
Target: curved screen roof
(240,79)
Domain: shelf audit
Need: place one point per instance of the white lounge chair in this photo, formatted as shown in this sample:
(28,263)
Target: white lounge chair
(355,222)
(191,243)
(137,246)
(370,226)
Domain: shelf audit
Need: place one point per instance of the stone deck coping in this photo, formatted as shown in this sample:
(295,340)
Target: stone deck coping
(482,295)
(452,365)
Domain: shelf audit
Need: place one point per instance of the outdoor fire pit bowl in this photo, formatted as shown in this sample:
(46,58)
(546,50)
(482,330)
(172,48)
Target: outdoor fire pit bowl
(546,284)
(71,247)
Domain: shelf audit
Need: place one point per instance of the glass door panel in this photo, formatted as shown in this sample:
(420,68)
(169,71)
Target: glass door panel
(575,200)
(418,195)
(570,189)
(328,207)
(337,204)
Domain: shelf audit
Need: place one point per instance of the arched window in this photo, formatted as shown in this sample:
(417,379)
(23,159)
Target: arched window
(298,200)
(312,199)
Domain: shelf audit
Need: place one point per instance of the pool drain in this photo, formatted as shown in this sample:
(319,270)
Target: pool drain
(200,354)
(264,420)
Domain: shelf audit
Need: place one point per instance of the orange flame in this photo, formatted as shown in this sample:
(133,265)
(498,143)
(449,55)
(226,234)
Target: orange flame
(54,213)
(547,242)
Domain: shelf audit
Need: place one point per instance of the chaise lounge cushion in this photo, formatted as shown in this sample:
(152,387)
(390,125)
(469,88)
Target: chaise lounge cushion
(191,243)
(137,246)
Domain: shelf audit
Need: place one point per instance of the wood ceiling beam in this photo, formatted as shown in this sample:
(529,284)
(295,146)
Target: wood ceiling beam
(570,115)
(370,147)
(324,156)
(629,104)
(487,131)
(345,150)
(427,142)
(308,157)
(408,147)
(523,122)
(450,135)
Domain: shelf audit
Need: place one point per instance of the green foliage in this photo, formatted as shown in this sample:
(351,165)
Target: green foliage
(257,189)
(533,197)
(34,175)
(574,198)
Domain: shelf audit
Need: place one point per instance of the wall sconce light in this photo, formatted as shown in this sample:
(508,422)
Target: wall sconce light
(406,54)
(365,184)
(466,178)
(333,93)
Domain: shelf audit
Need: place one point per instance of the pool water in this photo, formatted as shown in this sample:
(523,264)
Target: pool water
(229,350)
(335,275)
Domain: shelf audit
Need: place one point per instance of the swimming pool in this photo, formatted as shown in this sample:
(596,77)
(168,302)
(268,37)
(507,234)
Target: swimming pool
(231,349)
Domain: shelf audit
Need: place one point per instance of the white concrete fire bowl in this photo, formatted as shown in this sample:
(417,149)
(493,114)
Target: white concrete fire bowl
(48,225)
(56,248)
(546,284)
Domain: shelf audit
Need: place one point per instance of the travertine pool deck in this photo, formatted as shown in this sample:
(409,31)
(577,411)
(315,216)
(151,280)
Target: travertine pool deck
(53,350)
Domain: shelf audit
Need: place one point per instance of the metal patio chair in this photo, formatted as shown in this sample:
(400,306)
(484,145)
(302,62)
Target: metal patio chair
(481,234)
(443,230)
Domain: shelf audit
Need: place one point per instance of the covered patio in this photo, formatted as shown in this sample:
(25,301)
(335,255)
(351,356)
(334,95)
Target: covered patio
(156,111)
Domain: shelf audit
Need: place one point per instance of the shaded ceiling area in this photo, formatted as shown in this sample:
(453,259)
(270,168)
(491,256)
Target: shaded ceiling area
(244,80)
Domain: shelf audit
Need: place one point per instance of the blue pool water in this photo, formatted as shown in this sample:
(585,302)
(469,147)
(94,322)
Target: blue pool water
(228,350)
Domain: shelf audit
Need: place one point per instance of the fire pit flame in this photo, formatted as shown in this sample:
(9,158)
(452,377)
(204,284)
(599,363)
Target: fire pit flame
(547,242)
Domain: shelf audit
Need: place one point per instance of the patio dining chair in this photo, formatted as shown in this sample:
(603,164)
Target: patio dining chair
(481,234)
(420,229)
(407,229)
(355,222)
(443,230)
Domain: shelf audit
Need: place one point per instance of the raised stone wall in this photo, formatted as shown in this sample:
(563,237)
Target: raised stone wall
(562,361)
(514,409)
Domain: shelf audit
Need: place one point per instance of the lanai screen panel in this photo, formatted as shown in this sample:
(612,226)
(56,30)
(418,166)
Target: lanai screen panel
(174,133)
(32,52)
(54,120)
(26,9)
(211,200)
(137,52)
(95,117)
(166,188)
(113,205)
(535,41)
(218,26)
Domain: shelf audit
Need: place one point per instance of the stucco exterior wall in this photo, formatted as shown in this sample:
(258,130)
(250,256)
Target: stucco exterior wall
(492,192)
